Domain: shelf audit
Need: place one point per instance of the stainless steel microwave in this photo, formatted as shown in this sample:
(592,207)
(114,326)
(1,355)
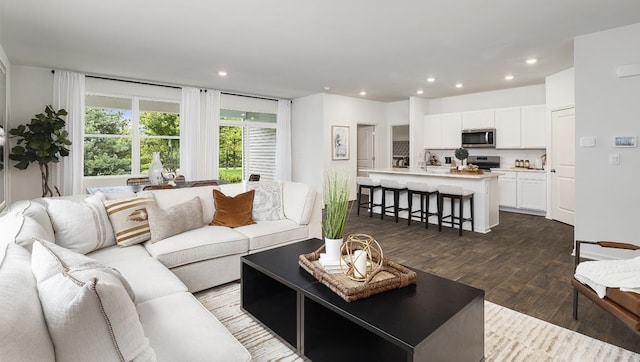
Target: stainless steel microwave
(479,138)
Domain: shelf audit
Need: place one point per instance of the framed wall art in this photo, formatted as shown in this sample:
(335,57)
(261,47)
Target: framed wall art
(339,142)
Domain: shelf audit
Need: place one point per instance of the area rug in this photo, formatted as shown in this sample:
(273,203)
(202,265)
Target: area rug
(509,335)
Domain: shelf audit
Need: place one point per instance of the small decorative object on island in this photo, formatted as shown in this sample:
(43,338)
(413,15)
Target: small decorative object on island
(155,170)
(44,140)
(461,154)
(361,257)
(336,197)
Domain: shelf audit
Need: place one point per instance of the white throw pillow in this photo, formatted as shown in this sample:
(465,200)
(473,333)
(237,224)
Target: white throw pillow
(267,202)
(89,312)
(129,219)
(81,227)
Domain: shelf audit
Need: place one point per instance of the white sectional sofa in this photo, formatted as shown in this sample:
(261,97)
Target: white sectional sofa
(160,275)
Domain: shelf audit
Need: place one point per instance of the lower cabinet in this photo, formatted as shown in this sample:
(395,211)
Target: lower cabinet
(523,191)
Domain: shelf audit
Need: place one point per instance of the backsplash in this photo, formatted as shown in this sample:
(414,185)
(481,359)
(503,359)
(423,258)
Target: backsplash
(401,148)
(507,157)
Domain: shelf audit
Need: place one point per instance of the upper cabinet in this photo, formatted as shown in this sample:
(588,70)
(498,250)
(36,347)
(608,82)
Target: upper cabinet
(478,119)
(521,127)
(507,127)
(442,131)
(533,124)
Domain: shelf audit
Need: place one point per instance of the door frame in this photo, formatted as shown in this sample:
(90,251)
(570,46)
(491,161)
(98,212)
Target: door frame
(550,152)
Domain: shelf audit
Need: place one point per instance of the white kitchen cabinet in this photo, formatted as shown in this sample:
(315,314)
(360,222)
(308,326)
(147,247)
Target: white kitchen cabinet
(534,125)
(523,191)
(451,130)
(478,119)
(507,186)
(433,131)
(507,122)
(532,190)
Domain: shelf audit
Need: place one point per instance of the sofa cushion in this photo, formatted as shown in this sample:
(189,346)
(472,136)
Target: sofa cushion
(113,253)
(233,211)
(81,227)
(265,234)
(203,338)
(267,203)
(166,199)
(35,210)
(148,278)
(89,312)
(174,220)
(298,201)
(22,230)
(129,219)
(204,243)
(23,330)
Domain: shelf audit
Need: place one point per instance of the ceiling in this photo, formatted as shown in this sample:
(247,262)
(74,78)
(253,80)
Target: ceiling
(293,48)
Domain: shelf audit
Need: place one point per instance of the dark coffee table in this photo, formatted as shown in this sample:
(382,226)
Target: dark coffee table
(437,319)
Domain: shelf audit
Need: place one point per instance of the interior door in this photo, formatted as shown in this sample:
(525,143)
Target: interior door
(563,165)
(366,149)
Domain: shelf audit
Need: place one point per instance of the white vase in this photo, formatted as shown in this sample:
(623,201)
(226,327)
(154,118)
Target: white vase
(332,248)
(155,170)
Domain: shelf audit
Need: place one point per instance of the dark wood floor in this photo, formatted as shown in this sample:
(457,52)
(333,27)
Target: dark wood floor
(524,264)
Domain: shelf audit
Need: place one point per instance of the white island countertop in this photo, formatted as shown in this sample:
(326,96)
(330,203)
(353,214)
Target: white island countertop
(435,172)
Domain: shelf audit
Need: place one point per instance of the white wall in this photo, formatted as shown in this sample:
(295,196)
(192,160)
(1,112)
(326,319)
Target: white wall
(348,111)
(418,107)
(31,92)
(512,97)
(307,140)
(560,89)
(607,196)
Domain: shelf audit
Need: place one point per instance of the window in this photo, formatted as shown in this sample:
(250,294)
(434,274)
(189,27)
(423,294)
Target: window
(121,133)
(247,145)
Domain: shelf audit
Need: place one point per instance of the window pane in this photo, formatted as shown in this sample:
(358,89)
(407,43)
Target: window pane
(107,156)
(169,153)
(260,152)
(159,118)
(232,115)
(230,154)
(107,121)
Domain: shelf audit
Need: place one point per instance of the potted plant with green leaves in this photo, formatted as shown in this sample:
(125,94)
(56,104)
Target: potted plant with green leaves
(336,198)
(461,154)
(44,141)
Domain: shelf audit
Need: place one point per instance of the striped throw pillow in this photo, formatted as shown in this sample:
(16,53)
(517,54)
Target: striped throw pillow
(129,219)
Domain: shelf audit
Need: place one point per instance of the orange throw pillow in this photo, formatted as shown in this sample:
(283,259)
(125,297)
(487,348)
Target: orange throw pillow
(233,211)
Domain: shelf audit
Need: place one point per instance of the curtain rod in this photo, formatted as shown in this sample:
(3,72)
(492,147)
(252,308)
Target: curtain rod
(53,71)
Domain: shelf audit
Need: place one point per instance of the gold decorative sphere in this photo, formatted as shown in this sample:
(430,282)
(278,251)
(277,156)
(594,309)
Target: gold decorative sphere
(355,250)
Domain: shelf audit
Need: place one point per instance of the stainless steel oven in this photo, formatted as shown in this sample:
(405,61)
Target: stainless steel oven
(472,138)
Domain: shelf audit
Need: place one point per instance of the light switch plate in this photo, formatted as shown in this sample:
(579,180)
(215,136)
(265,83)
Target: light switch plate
(588,141)
(614,159)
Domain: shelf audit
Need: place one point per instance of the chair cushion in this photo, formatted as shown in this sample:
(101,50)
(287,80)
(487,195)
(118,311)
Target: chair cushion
(265,234)
(203,338)
(421,187)
(366,181)
(204,243)
(22,321)
(629,300)
(392,184)
(174,220)
(88,309)
(454,190)
(233,211)
(81,227)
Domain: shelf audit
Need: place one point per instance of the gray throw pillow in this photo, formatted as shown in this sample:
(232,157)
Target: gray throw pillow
(178,219)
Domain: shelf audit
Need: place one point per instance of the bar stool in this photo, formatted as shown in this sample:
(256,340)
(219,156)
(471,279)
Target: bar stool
(425,191)
(371,185)
(454,193)
(396,187)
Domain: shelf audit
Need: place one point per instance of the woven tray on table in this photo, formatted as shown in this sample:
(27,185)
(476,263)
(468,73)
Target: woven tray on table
(389,276)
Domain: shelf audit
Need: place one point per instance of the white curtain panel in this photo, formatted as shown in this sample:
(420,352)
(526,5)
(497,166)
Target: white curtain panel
(283,141)
(68,94)
(211,134)
(189,132)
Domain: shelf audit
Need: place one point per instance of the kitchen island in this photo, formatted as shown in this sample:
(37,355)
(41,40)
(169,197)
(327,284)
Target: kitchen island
(484,187)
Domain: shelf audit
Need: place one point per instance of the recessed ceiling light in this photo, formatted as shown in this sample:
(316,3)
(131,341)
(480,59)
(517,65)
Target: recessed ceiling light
(419,91)
(222,73)
(508,77)
(242,115)
(431,79)
(458,85)
(363,93)
(327,88)
(532,61)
